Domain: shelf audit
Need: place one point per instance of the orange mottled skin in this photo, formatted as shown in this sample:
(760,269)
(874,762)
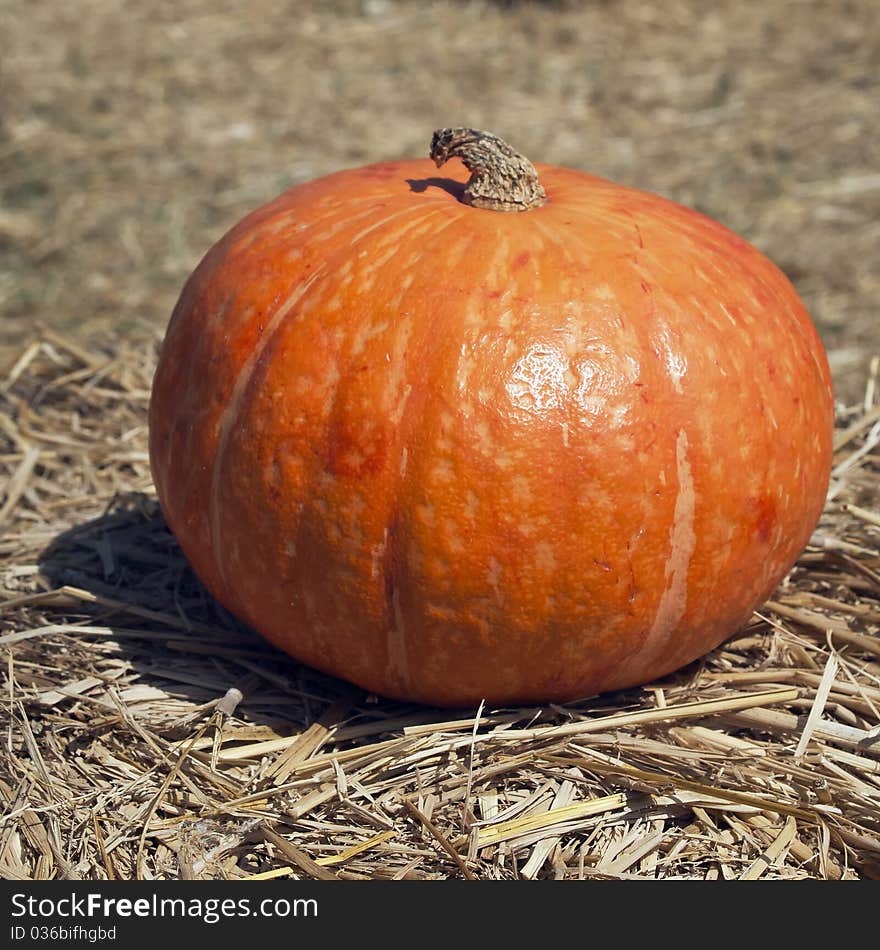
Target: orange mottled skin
(453,454)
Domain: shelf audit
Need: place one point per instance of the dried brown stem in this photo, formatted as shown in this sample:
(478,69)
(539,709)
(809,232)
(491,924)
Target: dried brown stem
(501,179)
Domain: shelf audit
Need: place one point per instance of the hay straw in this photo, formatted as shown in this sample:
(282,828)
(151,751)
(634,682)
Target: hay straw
(819,700)
(146,733)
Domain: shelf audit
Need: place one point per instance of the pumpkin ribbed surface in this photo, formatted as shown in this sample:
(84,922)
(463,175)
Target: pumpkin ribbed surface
(452,454)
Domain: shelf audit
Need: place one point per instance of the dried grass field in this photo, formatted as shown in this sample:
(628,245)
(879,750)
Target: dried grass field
(147,734)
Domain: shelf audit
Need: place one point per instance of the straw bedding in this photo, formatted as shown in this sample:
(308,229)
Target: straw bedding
(146,734)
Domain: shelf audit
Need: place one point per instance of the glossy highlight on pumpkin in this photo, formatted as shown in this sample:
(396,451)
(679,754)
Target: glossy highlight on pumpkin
(452,454)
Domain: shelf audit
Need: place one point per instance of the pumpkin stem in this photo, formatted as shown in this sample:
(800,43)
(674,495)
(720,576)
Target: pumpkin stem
(501,179)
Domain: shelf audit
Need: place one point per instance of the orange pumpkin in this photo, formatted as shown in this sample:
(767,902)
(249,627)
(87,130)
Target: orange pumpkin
(489,442)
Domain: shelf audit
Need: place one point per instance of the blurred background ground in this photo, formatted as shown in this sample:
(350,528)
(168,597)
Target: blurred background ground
(133,135)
